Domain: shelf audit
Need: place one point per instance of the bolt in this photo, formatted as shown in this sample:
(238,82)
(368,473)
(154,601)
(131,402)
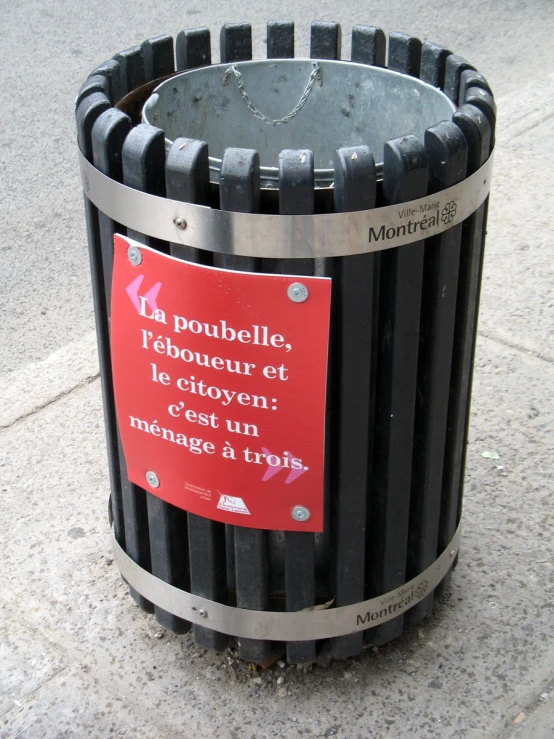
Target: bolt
(452,553)
(134,255)
(180,223)
(297,292)
(299,513)
(152,479)
(203,613)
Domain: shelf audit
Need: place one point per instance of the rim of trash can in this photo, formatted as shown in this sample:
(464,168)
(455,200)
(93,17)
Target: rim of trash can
(416,106)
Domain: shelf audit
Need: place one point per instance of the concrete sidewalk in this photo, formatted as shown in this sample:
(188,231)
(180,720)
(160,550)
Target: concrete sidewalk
(78,658)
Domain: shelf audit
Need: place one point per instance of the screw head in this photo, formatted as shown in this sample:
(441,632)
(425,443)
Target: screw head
(134,255)
(152,479)
(297,292)
(180,223)
(203,613)
(452,553)
(299,513)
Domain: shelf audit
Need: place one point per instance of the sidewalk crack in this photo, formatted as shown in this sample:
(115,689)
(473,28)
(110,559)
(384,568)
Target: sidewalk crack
(83,383)
(517,347)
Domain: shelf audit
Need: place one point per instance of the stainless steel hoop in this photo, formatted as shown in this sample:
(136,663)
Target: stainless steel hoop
(277,626)
(283,236)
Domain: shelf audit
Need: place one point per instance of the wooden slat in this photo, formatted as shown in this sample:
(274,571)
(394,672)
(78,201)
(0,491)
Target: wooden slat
(188,180)
(88,112)
(369,46)
(480,98)
(404,179)
(107,137)
(240,191)
(132,68)
(193,49)
(235,42)
(95,83)
(471,78)
(446,150)
(164,532)
(280,39)
(404,53)
(353,385)
(325,40)
(455,65)
(112,71)
(296,196)
(157,55)
(476,129)
(433,64)
(167,527)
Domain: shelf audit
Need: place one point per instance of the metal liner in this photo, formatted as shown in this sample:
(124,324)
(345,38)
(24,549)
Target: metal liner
(360,104)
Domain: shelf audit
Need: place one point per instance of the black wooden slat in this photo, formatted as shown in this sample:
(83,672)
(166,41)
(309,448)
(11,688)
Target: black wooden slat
(433,64)
(95,83)
(404,53)
(476,129)
(168,551)
(404,179)
(208,572)
(252,583)
(112,71)
(455,65)
(354,308)
(193,49)
(87,113)
(164,531)
(230,557)
(157,54)
(240,191)
(108,134)
(296,196)
(325,40)
(369,46)
(188,179)
(280,39)
(235,42)
(483,100)
(446,150)
(143,153)
(471,78)
(132,68)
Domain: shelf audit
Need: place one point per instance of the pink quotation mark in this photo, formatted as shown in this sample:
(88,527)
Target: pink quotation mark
(274,469)
(150,297)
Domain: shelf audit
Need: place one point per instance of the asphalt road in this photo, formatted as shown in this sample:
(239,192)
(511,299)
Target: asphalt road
(49,49)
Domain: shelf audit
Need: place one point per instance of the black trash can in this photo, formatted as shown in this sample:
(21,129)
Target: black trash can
(329,215)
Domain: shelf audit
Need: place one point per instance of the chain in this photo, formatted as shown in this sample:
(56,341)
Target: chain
(315,75)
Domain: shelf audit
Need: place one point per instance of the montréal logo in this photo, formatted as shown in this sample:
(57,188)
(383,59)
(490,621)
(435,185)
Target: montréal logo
(448,213)
(421,589)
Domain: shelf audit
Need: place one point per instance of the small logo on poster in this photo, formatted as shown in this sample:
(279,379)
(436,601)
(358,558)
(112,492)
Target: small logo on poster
(230,503)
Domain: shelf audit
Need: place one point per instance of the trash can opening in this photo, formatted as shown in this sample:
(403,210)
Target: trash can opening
(277,104)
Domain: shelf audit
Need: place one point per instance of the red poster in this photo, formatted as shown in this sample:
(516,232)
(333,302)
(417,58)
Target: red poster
(220,385)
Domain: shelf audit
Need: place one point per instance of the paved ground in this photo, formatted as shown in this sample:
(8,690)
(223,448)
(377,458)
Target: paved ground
(77,658)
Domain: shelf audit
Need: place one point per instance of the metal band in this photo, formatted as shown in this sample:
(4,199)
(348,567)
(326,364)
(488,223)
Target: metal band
(276,626)
(280,236)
